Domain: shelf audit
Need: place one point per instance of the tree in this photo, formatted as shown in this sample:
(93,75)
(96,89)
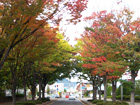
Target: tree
(86,73)
(56,62)
(22,59)
(130,46)
(20,19)
(112,44)
(43,48)
(65,90)
(101,46)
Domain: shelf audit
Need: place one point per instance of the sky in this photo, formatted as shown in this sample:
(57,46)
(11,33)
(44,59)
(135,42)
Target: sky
(74,31)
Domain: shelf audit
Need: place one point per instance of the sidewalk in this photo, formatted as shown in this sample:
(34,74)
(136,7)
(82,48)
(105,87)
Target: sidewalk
(136,103)
(84,100)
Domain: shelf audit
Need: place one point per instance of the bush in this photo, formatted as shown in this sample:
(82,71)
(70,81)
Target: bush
(26,103)
(100,103)
(44,99)
(116,103)
(2,93)
(38,102)
(109,96)
(96,101)
(137,97)
(118,97)
(112,103)
(126,97)
(19,95)
(124,103)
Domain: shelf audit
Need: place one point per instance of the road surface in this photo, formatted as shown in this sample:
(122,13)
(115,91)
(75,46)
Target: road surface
(66,101)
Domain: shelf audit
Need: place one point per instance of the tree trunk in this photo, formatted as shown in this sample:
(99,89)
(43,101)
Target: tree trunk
(1,53)
(94,93)
(43,91)
(94,88)
(33,85)
(24,85)
(25,96)
(44,83)
(105,87)
(13,72)
(39,88)
(14,93)
(99,81)
(13,86)
(17,90)
(33,92)
(114,90)
(133,88)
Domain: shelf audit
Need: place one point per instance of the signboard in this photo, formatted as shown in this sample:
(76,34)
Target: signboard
(83,88)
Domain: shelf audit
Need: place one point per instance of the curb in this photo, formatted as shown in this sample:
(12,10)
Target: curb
(85,102)
(81,101)
(48,103)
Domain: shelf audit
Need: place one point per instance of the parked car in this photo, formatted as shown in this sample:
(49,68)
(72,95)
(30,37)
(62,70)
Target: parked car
(72,97)
(57,96)
(67,96)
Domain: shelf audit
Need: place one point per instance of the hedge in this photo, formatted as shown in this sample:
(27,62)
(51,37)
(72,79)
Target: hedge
(125,97)
(26,103)
(112,103)
(19,95)
(44,99)
(96,101)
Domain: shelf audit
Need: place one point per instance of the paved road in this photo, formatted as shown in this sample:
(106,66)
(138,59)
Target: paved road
(65,101)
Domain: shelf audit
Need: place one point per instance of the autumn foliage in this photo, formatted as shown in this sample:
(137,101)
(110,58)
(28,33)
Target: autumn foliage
(100,51)
(31,46)
(21,19)
(110,45)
